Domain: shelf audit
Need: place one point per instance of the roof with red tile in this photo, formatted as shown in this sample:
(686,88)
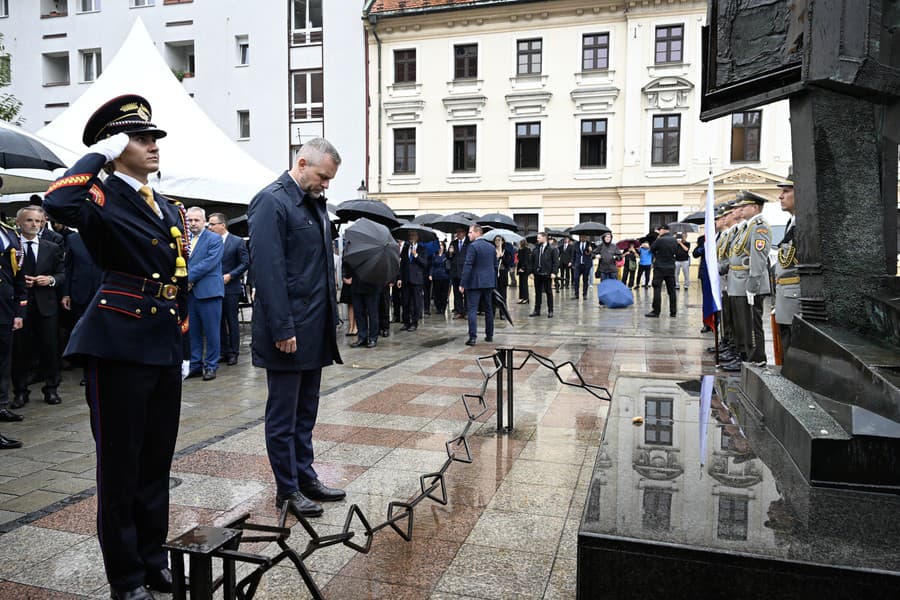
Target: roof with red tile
(398,7)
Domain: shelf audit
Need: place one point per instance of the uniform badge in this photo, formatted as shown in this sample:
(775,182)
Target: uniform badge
(760,245)
(97,195)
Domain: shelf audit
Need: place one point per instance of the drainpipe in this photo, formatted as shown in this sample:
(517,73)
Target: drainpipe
(373,21)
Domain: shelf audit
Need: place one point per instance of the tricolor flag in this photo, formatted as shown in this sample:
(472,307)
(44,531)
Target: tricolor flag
(712,295)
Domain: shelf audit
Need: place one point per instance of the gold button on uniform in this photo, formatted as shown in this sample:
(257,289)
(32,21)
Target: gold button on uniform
(172,310)
(103,301)
(137,311)
(155,276)
(152,310)
(174,280)
(172,246)
(154,242)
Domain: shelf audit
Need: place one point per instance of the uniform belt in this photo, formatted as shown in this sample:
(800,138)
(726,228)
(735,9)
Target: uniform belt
(156,289)
(738,267)
(788,280)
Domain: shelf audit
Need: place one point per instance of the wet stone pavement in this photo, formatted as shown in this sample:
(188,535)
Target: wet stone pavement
(509,529)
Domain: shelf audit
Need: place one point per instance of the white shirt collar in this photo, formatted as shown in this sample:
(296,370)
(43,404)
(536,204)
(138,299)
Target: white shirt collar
(134,183)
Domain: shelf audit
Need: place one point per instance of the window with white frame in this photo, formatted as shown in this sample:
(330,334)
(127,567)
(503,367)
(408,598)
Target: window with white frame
(242,46)
(55,68)
(595,52)
(91,64)
(528,57)
(307,97)
(306,22)
(4,8)
(243,124)
(86,6)
(141,3)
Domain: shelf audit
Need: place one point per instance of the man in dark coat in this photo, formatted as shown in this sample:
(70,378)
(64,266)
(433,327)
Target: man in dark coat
(295,317)
(663,250)
(13,303)
(235,262)
(545,262)
(130,336)
(566,255)
(44,271)
(582,262)
(83,277)
(414,266)
(456,256)
(479,278)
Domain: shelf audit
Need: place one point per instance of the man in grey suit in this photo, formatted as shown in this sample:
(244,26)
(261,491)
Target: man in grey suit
(479,278)
(235,261)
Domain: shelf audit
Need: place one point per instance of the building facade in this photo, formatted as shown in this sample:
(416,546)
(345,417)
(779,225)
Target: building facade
(555,113)
(270,73)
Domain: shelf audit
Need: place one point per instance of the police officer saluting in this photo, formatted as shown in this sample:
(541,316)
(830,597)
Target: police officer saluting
(130,336)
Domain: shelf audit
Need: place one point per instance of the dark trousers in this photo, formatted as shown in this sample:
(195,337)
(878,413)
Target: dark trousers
(459,299)
(205,322)
(727,325)
(231,333)
(365,309)
(757,335)
(643,270)
(484,297)
(397,304)
(291,410)
(426,296)
(523,286)
(785,332)
(741,321)
(134,420)
(543,286)
(38,336)
(628,277)
(413,303)
(582,274)
(384,309)
(6,340)
(440,291)
(669,279)
(565,274)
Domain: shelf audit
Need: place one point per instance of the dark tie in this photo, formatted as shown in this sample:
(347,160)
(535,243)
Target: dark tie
(540,256)
(30,264)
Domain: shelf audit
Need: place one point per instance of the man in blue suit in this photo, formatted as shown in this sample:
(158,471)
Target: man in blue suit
(205,297)
(235,261)
(295,317)
(582,261)
(479,278)
(414,266)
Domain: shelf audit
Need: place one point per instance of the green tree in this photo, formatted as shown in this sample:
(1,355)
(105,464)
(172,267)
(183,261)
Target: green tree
(9,105)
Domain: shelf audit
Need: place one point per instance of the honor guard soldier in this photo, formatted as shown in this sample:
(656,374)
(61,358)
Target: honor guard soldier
(787,276)
(130,336)
(13,305)
(750,261)
(729,355)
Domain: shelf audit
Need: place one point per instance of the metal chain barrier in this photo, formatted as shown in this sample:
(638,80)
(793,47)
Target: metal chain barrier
(202,544)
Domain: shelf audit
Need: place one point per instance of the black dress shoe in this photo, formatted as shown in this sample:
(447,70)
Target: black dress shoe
(652,315)
(471,342)
(316,490)
(412,327)
(232,360)
(8,444)
(705,329)
(160,581)
(673,314)
(732,366)
(386,333)
(404,328)
(8,416)
(194,373)
(534,314)
(52,398)
(371,344)
(489,339)
(357,343)
(550,315)
(299,505)
(208,375)
(138,593)
(19,400)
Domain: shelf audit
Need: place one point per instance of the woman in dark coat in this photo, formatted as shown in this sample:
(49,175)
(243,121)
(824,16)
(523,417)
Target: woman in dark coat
(524,270)
(609,254)
(440,279)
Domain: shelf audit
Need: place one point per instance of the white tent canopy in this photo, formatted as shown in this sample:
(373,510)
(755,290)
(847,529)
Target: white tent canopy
(197,160)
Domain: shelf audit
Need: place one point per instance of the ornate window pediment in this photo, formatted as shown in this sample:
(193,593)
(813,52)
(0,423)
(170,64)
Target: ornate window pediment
(404,111)
(667,93)
(594,99)
(464,107)
(527,104)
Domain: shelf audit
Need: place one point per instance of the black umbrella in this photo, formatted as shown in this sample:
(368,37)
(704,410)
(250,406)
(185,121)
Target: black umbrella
(682,227)
(425,234)
(557,233)
(468,215)
(698,218)
(374,210)
(590,228)
(426,219)
(498,221)
(500,303)
(19,150)
(450,223)
(238,226)
(371,251)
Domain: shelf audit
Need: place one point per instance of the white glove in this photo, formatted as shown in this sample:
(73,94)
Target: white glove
(111,147)
(185,369)
(750,297)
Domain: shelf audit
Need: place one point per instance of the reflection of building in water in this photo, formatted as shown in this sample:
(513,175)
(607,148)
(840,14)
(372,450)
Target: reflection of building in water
(661,484)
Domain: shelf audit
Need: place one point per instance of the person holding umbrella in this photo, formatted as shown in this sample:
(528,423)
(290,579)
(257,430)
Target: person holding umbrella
(440,279)
(608,254)
(479,278)
(364,297)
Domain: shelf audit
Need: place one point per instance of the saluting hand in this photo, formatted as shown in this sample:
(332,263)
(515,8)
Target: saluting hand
(111,147)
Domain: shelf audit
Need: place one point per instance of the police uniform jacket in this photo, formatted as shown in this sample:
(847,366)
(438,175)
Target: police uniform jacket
(13,299)
(738,261)
(787,280)
(290,249)
(480,269)
(138,314)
